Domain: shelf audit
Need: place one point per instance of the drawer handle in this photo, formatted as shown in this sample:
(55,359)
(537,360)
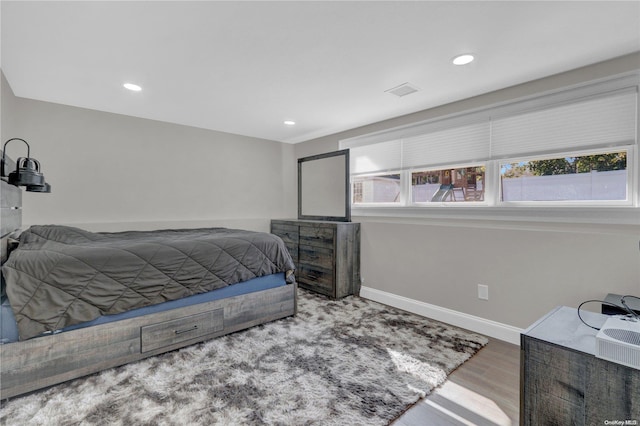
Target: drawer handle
(195,327)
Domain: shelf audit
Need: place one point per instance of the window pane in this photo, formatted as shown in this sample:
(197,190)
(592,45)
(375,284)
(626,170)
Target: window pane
(600,176)
(376,189)
(462,184)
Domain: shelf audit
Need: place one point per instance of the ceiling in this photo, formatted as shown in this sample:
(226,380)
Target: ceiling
(245,67)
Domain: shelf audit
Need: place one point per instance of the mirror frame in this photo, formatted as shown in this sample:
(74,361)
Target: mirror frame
(347,201)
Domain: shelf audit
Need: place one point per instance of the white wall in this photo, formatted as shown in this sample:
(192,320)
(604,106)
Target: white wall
(113,172)
(529,267)
(433,266)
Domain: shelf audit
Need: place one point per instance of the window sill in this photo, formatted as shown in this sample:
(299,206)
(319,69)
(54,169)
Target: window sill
(584,215)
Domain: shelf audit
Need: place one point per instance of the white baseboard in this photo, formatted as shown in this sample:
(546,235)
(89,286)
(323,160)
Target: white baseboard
(484,326)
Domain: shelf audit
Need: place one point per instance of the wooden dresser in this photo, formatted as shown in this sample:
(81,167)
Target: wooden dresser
(563,383)
(326,254)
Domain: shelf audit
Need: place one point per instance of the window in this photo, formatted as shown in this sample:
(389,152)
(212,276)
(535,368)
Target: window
(455,185)
(599,176)
(384,188)
(575,147)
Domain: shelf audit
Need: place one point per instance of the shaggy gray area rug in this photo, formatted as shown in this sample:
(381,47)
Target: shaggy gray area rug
(344,362)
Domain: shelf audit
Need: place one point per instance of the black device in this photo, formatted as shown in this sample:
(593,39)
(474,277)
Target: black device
(632,302)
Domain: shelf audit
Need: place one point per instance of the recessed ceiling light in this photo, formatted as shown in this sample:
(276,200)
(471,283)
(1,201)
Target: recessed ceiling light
(290,122)
(463,59)
(132,87)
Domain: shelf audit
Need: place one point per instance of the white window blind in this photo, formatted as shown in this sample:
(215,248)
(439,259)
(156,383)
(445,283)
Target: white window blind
(606,120)
(379,157)
(455,145)
(423,145)
(598,115)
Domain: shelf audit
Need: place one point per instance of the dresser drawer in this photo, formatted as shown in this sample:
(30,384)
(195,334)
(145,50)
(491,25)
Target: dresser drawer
(316,279)
(288,233)
(179,330)
(317,237)
(316,256)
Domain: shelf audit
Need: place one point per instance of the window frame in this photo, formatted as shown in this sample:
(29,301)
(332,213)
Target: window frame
(399,203)
(628,201)
(454,204)
(493,208)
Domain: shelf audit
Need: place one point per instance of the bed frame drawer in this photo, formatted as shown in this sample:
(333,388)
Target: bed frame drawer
(167,333)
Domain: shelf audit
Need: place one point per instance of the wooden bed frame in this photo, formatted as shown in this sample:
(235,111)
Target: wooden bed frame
(37,363)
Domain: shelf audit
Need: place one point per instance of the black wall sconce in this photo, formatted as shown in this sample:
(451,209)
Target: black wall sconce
(27,172)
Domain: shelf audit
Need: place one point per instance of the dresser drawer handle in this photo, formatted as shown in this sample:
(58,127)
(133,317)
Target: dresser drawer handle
(195,327)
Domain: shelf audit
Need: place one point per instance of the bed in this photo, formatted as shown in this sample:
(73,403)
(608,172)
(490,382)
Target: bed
(76,302)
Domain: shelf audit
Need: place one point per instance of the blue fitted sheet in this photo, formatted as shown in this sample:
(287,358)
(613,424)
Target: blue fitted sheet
(9,327)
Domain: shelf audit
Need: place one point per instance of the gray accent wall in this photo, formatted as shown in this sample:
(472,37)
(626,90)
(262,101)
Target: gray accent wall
(115,172)
(529,266)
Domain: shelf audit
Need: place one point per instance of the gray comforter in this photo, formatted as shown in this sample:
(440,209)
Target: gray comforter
(60,276)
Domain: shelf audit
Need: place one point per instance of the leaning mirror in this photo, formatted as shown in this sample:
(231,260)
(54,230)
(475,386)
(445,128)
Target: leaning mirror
(323,187)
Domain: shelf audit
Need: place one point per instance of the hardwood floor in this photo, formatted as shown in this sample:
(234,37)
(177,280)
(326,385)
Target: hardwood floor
(483,391)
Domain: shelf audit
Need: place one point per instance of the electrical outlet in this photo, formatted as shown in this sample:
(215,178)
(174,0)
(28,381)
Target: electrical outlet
(483,292)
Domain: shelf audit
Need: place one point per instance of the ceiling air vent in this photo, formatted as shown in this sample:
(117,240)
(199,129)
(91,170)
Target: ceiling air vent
(403,90)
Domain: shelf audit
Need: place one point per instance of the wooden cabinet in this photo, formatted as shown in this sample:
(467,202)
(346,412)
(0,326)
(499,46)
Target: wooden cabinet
(326,254)
(563,383)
